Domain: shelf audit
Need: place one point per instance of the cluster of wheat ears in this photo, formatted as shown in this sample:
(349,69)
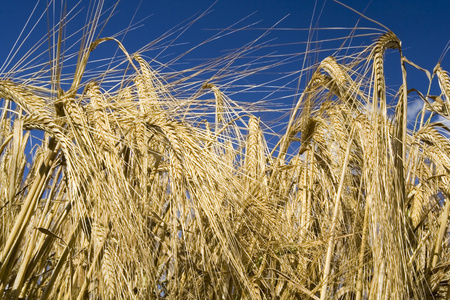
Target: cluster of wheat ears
(135,193)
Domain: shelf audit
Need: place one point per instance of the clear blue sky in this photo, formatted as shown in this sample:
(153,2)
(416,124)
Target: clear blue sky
(423,26)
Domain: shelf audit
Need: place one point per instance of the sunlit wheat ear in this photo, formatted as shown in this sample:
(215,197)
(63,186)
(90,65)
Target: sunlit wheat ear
(26,100)
(73,111)
(338,81)
(99,118)
(219,117)
(430,135)
(147,83)
(308,128)
(254,156)
(386,41)
(300,115)
(140,135)
(174,135)
(333,69)
(39,118)
(420,198)
(21,94)
(128,118)
(444,84)
(109,273)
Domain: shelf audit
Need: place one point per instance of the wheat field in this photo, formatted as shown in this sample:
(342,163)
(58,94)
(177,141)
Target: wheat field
(116,185)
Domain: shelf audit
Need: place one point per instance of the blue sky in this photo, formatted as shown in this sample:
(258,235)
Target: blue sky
(423,27)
